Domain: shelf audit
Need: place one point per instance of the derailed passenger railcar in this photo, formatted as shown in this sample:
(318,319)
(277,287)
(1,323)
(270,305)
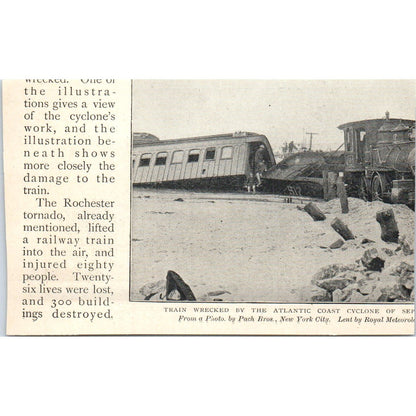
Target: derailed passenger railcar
(222,161)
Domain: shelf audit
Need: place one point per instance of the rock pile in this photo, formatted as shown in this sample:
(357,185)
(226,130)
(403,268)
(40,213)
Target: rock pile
(380,275)
(384,270)
(174,288)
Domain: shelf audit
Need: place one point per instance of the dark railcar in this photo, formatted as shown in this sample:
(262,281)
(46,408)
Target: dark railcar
(380,159)
(302,173)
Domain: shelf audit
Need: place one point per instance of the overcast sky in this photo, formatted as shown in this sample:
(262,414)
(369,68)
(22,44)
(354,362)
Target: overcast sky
(282,110)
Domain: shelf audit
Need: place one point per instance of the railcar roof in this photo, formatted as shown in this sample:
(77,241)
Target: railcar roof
(379,120)
(228,136)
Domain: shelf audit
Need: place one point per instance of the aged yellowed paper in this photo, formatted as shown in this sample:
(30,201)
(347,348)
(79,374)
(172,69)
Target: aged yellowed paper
(209,207)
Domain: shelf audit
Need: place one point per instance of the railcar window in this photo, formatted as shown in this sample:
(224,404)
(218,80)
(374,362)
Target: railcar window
(210,153)
(193,156)
(349,140)
(145,159)
(161,158)
(227,152)
(177,156)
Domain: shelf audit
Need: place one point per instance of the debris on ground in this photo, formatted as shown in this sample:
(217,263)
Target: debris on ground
(314,212)
(174,288)
(388,224)
(372,260)
(383,271)
(265,251)
(337,244)
(342,229)
(353,283)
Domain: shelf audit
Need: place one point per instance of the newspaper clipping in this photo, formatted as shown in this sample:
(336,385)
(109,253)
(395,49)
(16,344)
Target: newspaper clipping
(209,207)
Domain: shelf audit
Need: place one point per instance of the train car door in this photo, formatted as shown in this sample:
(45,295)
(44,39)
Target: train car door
(143,169)
(225,161)
(175,166)
(159,168)
(263,156)
(192,163)
(208,163)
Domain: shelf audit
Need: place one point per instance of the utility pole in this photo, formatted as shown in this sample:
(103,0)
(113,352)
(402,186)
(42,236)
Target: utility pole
(310,138)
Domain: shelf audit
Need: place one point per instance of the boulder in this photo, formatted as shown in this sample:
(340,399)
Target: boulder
(151,288)
(404,269)
(225,296)
(218,292)
(405,246)
(337,295)
(403,274)
(352,275)
(320,295)
(366,241)
(407,281)
(155,296)
(372,260)
(347,292)
(399,268)
(376,296)
(366,286)
(369,274)
(314,294)
(337,244)
(350,244)
(388,252)
(409,284)
(391,289)
(334,283)
(357,297)
(332,270)
(174,295)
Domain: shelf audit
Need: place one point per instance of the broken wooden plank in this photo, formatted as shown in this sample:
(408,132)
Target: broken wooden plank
(342,194)
(314,212)
(175,282)
(342,229)
(388,224)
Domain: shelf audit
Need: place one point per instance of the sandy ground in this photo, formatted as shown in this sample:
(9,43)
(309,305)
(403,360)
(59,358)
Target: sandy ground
(254,246)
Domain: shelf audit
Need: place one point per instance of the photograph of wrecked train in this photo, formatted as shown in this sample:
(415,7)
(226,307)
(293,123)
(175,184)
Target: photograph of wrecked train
(265,217)
(224,161)
(380,159)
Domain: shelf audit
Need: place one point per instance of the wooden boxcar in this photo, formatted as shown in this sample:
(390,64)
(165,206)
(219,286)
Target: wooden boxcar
(380,159)
(210,162)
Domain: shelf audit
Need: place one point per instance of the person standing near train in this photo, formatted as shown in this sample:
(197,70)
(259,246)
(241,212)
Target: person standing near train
(251,183)
(260,162)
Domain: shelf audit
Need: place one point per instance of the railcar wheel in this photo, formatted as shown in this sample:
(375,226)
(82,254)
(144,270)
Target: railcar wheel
(362,189)
(378,188)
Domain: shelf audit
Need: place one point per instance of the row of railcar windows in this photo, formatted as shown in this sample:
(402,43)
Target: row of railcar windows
(178,156)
